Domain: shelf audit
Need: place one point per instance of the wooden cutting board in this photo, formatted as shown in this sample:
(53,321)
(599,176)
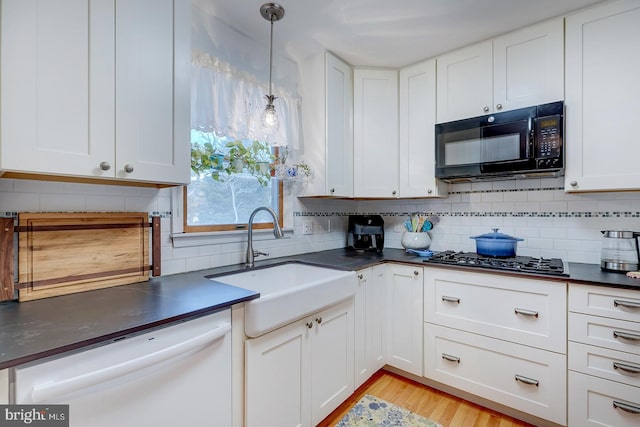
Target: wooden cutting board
(62,253)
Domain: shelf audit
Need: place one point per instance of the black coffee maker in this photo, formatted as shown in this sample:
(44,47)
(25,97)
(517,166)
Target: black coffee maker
(365,233)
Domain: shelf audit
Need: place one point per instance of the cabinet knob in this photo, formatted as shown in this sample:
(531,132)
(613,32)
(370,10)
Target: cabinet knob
(360,276)
(573,183)
(499,107)
(105,166)
(394,192)
(485,109)
(416,272)
(319,320)
(429,191)
(333,190)
(128,168)
(309,325)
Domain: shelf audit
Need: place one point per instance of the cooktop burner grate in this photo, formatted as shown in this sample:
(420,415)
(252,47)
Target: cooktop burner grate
(523,264)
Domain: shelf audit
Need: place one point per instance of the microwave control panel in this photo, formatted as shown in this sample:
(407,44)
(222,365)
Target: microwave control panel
(548,142)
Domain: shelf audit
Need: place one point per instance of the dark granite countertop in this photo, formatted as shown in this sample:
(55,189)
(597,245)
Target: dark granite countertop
(36,329)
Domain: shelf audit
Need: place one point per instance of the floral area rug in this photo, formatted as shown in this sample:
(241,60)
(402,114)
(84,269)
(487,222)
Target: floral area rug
(371,411)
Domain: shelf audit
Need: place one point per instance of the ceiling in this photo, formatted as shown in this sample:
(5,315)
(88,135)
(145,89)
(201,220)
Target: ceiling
(384,33)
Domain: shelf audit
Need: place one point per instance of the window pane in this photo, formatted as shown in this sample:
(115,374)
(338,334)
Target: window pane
(218,198)
(231,201)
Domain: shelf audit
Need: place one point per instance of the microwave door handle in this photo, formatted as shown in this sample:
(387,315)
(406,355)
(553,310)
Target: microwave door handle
(531,138)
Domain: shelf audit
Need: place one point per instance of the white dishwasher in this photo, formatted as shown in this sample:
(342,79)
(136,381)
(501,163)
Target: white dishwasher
(177,375)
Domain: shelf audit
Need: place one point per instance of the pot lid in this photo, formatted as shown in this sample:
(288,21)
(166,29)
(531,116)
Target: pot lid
(494,235)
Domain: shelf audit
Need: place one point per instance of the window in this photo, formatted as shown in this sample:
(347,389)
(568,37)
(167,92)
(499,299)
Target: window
(226,109)
(231,179)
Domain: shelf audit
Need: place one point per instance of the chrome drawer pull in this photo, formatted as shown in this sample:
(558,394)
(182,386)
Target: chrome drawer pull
(626,335)
(526,312)
(528,381)
(450,358)
(627,304)
(632,369)
(626,407)
(451,299)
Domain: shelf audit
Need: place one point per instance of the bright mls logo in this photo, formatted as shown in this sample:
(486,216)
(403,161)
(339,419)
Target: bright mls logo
(34,415)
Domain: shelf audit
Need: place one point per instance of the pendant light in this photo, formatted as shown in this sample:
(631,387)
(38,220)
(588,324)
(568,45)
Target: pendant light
(272,12)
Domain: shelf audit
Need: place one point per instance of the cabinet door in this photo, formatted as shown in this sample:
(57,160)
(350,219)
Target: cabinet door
(404,318)
(277,377)
(417,138)
(152,90)
(369,314)
(528,66)
(338,131)
(376,319)
(57,85)
(332,376)
(4,387)
(375,133)
(360,311)
(602,98)
(465,80)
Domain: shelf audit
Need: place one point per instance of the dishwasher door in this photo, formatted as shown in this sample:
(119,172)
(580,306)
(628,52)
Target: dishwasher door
(177,375)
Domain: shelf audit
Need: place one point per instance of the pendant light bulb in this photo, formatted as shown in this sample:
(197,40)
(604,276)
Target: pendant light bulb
(270,122)
(271,12)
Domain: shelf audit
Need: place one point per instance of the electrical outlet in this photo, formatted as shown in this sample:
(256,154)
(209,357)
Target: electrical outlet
(307,226)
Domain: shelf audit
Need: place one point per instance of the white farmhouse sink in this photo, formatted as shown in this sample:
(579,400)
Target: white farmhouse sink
(289,292)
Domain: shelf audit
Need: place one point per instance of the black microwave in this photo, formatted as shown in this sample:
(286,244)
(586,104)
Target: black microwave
(522,143)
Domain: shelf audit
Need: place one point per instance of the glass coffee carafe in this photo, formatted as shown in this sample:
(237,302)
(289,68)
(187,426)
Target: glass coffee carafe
(619,251)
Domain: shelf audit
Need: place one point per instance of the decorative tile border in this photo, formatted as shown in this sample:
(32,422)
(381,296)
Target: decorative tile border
(166,214)
(615,214)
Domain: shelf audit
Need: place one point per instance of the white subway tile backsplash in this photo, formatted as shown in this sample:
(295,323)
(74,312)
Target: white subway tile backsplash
(106,203)
(552,222)
(62,202)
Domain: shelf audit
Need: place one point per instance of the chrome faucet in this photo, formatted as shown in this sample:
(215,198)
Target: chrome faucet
(277,231)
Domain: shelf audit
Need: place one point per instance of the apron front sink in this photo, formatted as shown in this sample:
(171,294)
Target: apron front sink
(289,292)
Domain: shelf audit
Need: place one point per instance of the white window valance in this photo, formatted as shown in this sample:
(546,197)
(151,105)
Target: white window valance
(230,102)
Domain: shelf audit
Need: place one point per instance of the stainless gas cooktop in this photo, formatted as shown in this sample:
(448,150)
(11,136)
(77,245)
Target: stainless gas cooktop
(522,264)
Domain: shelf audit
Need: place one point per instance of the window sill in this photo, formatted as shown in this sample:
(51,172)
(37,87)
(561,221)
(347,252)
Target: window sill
(185,240)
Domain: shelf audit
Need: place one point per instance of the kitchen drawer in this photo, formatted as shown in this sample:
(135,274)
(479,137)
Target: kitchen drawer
(597,402)
(623,304)
(604,332)
(605,363)
(489,367)
(521,310)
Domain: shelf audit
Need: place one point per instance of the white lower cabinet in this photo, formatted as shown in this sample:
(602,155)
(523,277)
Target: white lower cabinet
(528,379)
(370,328)
(604,356)
(500,337)
(298,374)
(404,317)
(597,402)
(4,387)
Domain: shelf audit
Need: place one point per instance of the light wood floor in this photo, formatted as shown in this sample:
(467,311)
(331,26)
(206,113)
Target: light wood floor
(446,409)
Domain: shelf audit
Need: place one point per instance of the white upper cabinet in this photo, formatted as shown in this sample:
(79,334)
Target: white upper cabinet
(339,130)
(375,133)
(519,69)
(603,98)
(465,83)
(417,139)
(96,89)
(153,57)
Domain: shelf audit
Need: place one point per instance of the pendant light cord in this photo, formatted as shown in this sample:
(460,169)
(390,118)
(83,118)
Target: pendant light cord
(270,57)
